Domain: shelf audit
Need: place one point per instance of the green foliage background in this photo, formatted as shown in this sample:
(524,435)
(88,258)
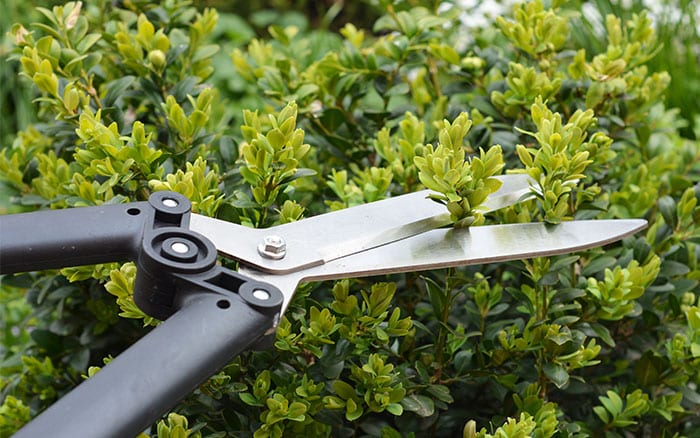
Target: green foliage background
(286,113)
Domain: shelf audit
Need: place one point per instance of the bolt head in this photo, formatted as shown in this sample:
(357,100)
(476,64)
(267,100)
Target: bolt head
(273,247)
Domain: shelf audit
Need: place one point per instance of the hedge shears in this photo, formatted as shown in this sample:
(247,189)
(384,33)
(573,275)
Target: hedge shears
(211,313)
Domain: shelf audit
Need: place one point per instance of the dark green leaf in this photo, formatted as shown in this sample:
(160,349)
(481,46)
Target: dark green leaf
(227,149)
(332,119)
(80,359)
(498,309)
(390,432)
(598,265)
(667,208)
(641,249)
(462,360)
(691,395)
(556,373)
(569,294)
(332,370)
(419,404)
(436,294)
(300,173)
(600,331)
(670,268)
(116,88)
(649,368)
(376,116)
(51,342)
(400,89)
(683,285)
(563,262)
(440,392)
(184,88)
(549,279)
(566,320)
(381,84)
(661,288)
(175,53)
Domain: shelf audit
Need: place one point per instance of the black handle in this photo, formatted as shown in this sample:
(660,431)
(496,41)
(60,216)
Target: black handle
(211,313)
(77,236)
(53,239)
(141,384)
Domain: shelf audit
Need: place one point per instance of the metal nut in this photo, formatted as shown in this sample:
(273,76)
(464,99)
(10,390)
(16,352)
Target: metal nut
(273,247)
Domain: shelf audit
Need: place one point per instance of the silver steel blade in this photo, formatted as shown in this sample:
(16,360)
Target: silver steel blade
(458,247)
(477,245)
(323,238)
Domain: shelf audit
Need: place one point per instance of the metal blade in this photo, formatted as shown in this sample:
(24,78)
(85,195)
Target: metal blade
(458,247)
(478,245)
(320,239)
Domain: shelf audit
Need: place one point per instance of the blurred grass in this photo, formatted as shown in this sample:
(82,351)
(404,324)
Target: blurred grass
(678,29)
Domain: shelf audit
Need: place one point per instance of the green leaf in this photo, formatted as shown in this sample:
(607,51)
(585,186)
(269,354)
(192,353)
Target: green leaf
(116,89)
(306,90)
(556,373)
(648,368)
(332,118)
(691,395)
(49,341)
(613,403)
(693,316)
(695,349)
(249,399)
(598,265)
(205,52)
(395,409)
(87,42)
(436,294)
(184,88)
(564,262)
(352,410)
(670,268)
(667,208)
(300,173)
(462,360)
(344,390)
(419,404)
(441,392)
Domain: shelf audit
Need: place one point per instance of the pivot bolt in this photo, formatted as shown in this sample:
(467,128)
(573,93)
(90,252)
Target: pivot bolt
(273,247)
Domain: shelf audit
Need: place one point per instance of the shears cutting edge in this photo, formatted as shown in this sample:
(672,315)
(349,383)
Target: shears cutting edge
(212,314)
